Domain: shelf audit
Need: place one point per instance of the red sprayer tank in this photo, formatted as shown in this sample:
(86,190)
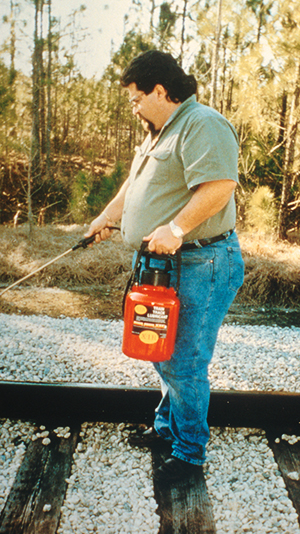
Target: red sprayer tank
(150,318)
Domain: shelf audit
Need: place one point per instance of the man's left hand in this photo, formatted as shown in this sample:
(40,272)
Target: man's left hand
(162,241)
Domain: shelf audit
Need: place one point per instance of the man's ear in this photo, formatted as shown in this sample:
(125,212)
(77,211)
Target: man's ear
(160,91)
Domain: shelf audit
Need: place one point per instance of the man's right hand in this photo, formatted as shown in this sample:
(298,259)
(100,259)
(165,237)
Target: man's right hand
(99,227)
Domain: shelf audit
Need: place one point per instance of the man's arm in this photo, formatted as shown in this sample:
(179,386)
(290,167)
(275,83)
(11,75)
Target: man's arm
(113,212)
(208,199)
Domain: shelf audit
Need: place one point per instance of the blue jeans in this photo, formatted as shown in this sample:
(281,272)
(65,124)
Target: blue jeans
(210,279)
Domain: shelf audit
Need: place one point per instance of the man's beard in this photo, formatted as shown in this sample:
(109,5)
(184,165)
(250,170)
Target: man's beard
(148,125)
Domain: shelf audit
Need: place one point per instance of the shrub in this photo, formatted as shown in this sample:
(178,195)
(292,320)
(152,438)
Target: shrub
(103,190)
(79,197)
(261,211)
(89,195)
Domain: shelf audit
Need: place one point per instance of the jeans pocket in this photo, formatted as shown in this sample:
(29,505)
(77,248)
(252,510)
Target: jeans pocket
(236,268)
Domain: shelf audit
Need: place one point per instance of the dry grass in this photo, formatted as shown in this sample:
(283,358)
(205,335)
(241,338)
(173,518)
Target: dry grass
(104,264)
(272,271)
(272,267)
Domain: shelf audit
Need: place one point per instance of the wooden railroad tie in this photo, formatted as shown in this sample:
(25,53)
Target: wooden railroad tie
(184,507)
(40,481)
(287,457)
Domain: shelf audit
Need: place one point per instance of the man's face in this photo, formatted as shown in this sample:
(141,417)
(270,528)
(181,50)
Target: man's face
(144,107)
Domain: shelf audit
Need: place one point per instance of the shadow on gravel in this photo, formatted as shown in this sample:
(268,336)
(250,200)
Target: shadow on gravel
(266,316)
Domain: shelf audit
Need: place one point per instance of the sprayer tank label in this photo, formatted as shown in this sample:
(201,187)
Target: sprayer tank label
(152,318)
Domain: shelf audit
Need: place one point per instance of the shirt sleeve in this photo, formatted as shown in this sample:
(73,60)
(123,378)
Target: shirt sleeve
(209,151)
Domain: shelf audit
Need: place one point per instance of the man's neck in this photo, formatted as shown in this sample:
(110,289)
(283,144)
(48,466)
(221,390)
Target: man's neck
(165,113)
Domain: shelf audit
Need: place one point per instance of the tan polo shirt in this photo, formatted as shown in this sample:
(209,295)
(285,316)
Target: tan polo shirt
(196,145)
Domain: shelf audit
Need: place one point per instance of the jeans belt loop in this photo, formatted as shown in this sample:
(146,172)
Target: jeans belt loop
(197,244)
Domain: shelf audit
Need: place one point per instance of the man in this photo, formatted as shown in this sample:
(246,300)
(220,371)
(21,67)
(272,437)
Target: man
(180,194)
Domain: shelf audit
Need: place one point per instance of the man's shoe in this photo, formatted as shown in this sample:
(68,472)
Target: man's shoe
(174,469)
(145,439)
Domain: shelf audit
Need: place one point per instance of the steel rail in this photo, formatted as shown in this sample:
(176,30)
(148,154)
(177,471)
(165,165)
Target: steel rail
(91,402)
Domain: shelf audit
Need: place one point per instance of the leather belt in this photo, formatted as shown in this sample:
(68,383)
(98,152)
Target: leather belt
(199,243)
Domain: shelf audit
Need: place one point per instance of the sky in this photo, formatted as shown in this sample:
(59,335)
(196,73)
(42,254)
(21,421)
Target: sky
(103,20)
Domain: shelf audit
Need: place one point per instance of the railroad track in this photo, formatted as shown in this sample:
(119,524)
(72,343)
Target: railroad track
(184,508)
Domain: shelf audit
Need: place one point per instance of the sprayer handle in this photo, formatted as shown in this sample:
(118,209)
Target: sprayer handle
(84,242)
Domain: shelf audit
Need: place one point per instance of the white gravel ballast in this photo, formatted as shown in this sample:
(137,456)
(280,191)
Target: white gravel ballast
(14,437)
(43,349)
(246,490)
(110,489)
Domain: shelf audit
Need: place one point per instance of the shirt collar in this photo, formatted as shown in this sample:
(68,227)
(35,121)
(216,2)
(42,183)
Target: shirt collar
(178,111)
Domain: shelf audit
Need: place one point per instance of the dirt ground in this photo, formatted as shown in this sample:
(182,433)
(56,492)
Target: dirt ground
(104,302)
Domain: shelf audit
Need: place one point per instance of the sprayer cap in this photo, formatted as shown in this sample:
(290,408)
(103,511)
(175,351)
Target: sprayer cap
(155,277)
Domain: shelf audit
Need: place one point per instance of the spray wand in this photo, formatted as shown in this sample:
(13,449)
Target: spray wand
(83,243)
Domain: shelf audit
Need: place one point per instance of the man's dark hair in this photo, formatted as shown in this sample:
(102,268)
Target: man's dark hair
(155,67)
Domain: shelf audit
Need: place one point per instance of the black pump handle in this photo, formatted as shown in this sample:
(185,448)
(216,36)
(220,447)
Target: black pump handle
(142,251)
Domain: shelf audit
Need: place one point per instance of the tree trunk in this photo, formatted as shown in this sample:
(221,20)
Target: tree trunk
(152,19)
(49,105)
(282,118)
(55,127)
(182,41)
(12,90)
(12,71)
(29,202)
(223,74)
(42,84)
(35,144)
(213,95)
(291,136)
